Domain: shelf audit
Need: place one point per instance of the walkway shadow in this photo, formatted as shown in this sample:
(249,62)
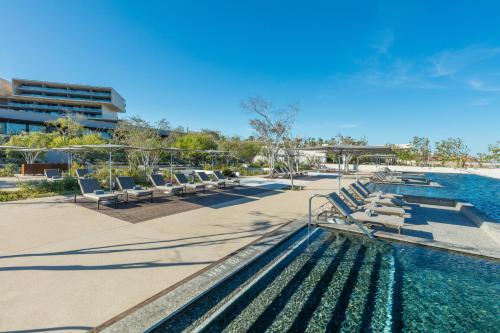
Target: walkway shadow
(134,265)
(53,329)
(129,247)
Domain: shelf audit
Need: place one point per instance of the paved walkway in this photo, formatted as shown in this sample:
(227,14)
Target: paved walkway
(68,268)
(65,267)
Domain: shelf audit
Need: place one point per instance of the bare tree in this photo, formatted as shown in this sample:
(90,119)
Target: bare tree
(272,126)
(146,138)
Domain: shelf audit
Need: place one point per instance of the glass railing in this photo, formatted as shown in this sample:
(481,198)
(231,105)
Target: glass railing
(70,97)
(55,107)
(66,91)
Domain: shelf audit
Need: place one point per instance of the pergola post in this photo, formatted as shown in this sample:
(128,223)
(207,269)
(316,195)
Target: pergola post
(357,168)
(171,166)
(110,172)
(339,158)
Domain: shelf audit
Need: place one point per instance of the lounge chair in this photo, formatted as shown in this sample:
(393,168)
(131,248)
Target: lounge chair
(183,180)
(52,174)
(381,177)
(161,185)
(404,173)
(207,181)
(227,182)
(362,205)
(279,172)
(381,199)
(389,221)
(91,189)
(362,187)
(82,173)
(127,185)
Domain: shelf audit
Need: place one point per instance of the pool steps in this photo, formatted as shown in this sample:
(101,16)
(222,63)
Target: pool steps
(348,281)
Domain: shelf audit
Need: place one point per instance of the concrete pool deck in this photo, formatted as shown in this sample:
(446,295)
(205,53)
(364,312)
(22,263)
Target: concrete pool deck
(68,268)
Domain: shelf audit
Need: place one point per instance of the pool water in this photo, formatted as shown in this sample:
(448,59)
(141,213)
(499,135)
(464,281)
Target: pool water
(343,283)
(482,192)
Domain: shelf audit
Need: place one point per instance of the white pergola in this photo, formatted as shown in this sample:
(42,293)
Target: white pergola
(357,151)
(107,147)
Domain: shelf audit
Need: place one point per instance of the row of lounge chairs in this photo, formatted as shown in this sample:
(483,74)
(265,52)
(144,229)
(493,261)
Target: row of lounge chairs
(90,187)
(283,172)
(396,178)
(359,204)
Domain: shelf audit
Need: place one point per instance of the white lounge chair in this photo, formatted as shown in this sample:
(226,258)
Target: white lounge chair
(52,175)
(343,210)
(183,180)
(379,198)
(127,185)
(91,189)
(161,185)
(203,177)
(362,205)
(227,182)
(363,188)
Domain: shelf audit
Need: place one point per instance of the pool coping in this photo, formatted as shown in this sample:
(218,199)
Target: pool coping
(161,306)
(429,243)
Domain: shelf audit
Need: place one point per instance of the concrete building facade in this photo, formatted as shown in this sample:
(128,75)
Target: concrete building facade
(26,105)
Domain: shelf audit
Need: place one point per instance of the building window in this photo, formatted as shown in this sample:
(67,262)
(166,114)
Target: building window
(36,128)
(13,128)
(2,128)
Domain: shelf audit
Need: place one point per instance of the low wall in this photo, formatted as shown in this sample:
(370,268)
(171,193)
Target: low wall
(483,221)
(37,169)
(430,200)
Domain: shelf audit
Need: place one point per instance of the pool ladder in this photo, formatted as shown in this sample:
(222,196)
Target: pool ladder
(364,229)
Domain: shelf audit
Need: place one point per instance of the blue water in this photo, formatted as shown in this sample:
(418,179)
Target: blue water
(482,192)
(347,283)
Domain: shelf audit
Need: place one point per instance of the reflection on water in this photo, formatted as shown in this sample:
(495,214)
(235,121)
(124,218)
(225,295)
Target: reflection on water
(482,192)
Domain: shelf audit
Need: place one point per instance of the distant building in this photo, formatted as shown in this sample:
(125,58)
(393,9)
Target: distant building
(26,105)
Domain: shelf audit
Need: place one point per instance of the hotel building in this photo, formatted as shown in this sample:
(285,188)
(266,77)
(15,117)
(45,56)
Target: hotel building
(26,105)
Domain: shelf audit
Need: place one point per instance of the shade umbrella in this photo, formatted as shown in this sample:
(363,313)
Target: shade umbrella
(108,147)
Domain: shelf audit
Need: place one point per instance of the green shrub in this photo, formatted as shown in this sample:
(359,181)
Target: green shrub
(67,184)
(12,196)
(9,170)
(250,171)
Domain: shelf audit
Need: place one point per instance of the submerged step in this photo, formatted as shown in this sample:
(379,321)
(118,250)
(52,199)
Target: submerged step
(259,295)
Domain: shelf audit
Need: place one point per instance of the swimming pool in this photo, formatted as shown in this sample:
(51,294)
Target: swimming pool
(342,282)
(482,192)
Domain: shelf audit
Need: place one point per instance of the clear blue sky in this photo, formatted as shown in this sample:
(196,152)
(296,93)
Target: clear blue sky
(387,70)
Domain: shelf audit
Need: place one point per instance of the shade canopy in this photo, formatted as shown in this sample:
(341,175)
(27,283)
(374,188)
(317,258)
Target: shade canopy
(104,146)
(6,147)
(28,149)
(353,150)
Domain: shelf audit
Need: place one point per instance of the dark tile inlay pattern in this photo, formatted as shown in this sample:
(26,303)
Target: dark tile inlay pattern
(163,205)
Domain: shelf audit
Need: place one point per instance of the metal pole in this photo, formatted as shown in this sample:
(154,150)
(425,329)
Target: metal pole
(357,168)
(339,174)
(171,166)
(110,176)
(69,163)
